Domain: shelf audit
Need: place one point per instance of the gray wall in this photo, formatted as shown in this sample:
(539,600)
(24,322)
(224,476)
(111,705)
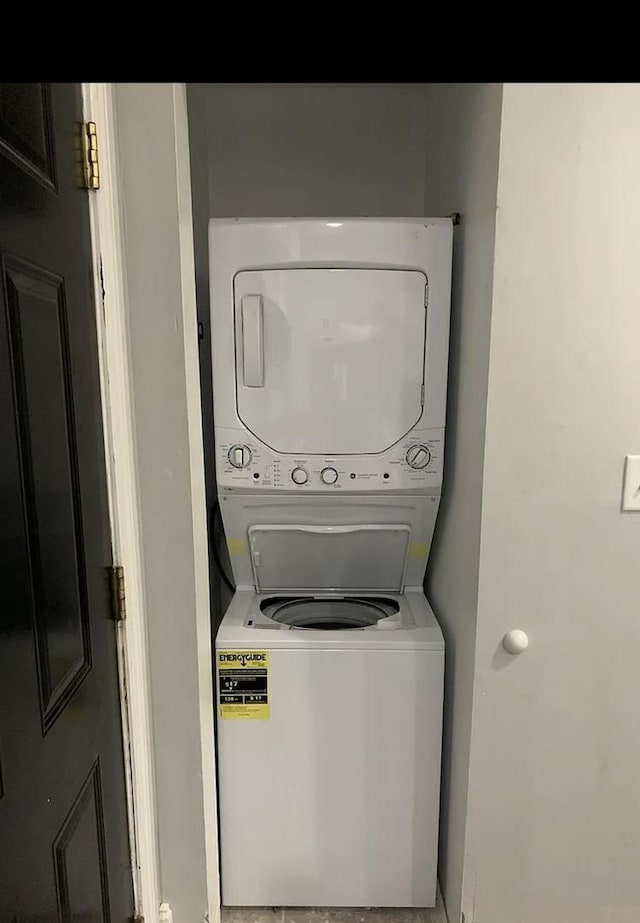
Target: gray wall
(554,792)
(153,270)
(463,132)
(198,156)
(313,149)
(199,161)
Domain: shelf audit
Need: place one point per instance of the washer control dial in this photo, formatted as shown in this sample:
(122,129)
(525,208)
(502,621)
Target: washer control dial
(328,475)
(299,476)
(239,456)
(418,456)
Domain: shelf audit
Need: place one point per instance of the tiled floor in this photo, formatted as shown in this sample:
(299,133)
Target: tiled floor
(333,915)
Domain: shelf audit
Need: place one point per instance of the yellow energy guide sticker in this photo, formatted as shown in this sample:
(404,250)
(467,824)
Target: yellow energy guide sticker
(243,684)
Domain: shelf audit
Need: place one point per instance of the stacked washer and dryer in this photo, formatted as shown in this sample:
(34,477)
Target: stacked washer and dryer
(330,348)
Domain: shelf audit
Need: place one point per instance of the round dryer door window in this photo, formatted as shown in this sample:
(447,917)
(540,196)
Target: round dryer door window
(328,614)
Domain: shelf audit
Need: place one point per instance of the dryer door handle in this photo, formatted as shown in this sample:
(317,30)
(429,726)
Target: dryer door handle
(252,345)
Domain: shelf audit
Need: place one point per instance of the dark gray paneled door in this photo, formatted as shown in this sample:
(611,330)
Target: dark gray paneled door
(63,820)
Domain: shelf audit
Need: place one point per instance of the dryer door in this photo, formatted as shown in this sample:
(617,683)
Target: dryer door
(330,361)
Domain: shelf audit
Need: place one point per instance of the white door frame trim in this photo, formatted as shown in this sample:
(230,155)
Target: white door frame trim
(112,310)
(198,500)
(122,478)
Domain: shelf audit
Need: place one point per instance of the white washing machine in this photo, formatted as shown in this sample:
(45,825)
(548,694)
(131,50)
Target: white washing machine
(330,347)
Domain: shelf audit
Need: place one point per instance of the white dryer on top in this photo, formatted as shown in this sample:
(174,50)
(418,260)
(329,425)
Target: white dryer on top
(327,342)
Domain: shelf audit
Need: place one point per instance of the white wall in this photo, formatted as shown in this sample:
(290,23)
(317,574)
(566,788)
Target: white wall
(155,197)
(463,128)
(315,149)
(554,796)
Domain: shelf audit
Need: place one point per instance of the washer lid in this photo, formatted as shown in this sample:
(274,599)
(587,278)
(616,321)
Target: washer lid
(303,557)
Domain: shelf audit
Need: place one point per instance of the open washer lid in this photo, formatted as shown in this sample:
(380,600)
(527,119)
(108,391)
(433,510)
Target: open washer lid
(368,558)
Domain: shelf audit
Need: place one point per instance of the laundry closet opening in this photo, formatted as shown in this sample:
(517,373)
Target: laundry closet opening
(323,291)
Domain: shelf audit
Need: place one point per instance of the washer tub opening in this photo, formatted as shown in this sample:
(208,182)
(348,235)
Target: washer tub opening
(342,614)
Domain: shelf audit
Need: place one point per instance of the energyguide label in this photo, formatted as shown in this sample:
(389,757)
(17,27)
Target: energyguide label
(243,684)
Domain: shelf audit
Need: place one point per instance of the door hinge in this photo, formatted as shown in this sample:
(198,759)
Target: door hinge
(91,162)
(422,395)
(118,597)
(426,295)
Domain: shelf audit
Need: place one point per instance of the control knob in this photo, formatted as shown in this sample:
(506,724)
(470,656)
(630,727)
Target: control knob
(418,456)
(239,456)
(328,475)
(299,476)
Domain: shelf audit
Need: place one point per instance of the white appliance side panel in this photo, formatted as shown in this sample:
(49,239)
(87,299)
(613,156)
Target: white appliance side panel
(334,360)
(333,800)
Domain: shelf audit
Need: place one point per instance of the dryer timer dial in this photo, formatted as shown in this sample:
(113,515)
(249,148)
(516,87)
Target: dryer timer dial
(299,476)
(418,456)
(239,456)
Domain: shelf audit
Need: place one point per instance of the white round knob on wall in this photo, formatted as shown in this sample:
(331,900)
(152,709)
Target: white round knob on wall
(328,475)
(515,641)
(299,476)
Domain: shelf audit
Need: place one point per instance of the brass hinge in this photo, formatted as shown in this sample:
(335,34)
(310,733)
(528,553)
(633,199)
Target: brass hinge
(91,163)
(118,597)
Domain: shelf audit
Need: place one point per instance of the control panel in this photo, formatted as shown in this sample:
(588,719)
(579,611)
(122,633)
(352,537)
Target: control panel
(414,463)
